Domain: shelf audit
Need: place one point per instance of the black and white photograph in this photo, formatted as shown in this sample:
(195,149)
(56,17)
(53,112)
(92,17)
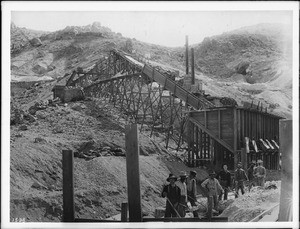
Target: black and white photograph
(150,114)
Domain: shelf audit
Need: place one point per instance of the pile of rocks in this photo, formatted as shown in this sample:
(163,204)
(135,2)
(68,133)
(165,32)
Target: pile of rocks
(101,152)
(26,117)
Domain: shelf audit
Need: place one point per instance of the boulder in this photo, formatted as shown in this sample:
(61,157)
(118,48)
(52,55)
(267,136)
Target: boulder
(38,185)
(39,139)
(57,130)
(23,127)
(30,118)
(35,42)
(40,68)
(41,114)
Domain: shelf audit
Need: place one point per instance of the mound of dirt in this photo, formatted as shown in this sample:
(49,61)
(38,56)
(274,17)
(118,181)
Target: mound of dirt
(251,204)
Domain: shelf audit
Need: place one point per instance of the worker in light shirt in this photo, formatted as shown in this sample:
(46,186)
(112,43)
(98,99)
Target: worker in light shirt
(181,183)
(213,188)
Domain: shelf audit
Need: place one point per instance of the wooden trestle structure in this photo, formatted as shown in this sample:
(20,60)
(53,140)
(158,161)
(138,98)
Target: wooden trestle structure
(213,135)
(232,134)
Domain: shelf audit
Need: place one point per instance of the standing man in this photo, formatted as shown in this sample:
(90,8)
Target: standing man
(239,177)
(260,173)
(251,175)
(172,192)
(183,190)
(224,177)
(213,188)
(192,190)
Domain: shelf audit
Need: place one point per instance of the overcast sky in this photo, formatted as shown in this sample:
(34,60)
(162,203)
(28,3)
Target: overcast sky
(164,28)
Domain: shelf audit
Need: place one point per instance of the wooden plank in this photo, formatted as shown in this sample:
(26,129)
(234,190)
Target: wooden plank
(177,219)
(193,142)
(209,208)
(260,216)
(244,158)
(235,135)
(201,143)
(133,175)
(286,149)
(205,119)
(197,145)
(219,124)
(82,220)
(124,208)
(68,186)
(189,127)
(227,146)
(238,129)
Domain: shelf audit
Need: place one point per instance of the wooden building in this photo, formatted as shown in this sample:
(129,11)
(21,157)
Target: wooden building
(233,134)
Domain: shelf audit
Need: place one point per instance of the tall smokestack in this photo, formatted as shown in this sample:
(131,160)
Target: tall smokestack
(193,66)
(187,54)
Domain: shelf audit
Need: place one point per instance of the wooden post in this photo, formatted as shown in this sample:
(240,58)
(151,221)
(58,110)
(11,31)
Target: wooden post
(133,175)
(192,66)
(209,207)
(235,152)
(187,54)
(286,149)
(124,208)
(244,158)
(190,148)
(68,186)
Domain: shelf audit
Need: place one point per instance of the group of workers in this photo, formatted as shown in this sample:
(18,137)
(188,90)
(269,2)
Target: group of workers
(179,192)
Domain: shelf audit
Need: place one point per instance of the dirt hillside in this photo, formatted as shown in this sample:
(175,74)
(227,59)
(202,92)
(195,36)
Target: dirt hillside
(90,128)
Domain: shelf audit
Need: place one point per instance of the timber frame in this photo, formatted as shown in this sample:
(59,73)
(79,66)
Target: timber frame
(211,135)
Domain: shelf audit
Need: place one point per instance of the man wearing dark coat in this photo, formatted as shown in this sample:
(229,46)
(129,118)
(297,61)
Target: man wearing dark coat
(224,177)
(172,193)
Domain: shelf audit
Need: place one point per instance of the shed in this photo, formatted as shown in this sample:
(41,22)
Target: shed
(233,134)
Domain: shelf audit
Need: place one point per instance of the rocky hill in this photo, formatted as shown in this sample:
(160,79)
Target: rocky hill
(257,54)
(254,61)
(57,53)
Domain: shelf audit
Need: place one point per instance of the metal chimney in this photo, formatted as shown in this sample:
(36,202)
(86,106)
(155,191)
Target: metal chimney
(193,66)
(187,54)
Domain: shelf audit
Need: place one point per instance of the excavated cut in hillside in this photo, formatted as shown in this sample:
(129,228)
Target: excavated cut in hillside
(258,54)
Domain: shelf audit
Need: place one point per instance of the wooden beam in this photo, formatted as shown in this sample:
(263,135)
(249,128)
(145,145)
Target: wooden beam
(133,175)
(68,186)
(219,124)
(124,208)
(244,158)
(177,219)
(82,220)
(226,145)
(209,208)
(190,142)
(235,136)
(286,149)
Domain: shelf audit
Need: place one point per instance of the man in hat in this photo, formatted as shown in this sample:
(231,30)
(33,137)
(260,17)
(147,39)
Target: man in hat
(250,172)
(260,173)
(213,188)
(224,177)
(172,193)
(240,177)
(166,183)
(181,183)
(192,190)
